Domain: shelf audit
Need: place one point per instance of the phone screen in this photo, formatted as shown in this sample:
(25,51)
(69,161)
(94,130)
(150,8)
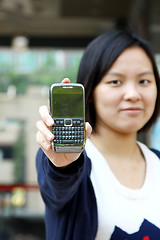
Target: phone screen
(67,102)
(67,109)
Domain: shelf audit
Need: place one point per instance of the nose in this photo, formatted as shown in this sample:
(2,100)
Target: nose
(132,93)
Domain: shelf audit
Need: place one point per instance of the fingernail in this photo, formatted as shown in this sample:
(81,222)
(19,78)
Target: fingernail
(48,147)
(49,121)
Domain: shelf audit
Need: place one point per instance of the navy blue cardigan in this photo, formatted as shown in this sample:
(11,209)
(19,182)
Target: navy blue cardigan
(71,209)
(70,203)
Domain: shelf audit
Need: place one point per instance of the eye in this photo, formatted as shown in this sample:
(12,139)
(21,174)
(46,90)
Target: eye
(115,82)
(144,81)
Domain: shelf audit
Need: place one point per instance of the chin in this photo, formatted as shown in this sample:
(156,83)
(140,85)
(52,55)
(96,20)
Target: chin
(131,129)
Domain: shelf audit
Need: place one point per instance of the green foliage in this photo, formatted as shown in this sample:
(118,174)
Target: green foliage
(42,74)
(51,73)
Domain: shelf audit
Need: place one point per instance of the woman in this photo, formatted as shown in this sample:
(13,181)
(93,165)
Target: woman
(112,189)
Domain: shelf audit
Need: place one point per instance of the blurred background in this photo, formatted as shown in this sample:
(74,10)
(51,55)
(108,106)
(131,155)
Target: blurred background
(41,42)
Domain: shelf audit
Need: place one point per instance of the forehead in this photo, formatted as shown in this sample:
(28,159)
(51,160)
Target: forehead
(133,57)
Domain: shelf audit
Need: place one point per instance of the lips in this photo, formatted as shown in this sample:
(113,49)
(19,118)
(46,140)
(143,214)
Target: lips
(132,110)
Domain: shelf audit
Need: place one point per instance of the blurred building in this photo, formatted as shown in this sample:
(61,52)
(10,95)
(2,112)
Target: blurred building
(19,193)
(18,115)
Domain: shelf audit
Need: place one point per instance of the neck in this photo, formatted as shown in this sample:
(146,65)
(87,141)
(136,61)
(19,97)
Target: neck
(111,143)
(123,156)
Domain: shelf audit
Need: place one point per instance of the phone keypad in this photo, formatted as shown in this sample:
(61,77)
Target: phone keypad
(71,134)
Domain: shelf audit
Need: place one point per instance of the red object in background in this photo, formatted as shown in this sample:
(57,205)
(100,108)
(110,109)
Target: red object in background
(10,187)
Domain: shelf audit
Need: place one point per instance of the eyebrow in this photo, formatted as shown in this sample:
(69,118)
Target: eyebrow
(121,74)
(116,74)
(145,73)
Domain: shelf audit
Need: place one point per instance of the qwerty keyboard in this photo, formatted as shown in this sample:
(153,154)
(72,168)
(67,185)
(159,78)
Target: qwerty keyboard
(68,131)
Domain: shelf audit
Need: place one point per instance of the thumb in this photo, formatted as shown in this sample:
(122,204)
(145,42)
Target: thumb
(88,129)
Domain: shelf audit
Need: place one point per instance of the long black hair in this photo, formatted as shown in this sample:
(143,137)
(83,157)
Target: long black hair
(97,59)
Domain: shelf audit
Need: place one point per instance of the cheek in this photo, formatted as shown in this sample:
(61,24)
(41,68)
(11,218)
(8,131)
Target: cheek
(105,103)
(150,100)
(151,96)
(99,98)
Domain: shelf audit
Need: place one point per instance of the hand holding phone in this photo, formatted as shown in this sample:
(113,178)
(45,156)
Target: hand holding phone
(44,137)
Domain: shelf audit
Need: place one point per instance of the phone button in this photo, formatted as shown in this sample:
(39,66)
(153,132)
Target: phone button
(67,122)
(67,141)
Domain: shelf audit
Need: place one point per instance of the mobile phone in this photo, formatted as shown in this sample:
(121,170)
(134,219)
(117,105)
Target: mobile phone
(67,108)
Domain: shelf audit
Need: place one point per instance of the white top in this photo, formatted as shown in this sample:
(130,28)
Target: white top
(121,207)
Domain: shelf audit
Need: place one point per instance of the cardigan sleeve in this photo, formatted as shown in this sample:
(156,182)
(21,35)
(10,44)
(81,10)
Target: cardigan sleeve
(70,203)
(58,185)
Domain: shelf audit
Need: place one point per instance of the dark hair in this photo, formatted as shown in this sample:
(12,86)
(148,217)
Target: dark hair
(99,57)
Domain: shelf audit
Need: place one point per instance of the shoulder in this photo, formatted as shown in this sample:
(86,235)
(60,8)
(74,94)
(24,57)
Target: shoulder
(149,152)
(155,151)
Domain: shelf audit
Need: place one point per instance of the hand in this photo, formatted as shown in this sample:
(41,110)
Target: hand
(44,136)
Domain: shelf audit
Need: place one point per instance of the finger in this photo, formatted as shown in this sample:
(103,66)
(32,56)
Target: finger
(44,113)
(88,130)
(42,141)
(41,126)
(66,80)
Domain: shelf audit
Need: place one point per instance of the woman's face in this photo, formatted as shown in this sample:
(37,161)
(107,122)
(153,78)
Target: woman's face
(125,98)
